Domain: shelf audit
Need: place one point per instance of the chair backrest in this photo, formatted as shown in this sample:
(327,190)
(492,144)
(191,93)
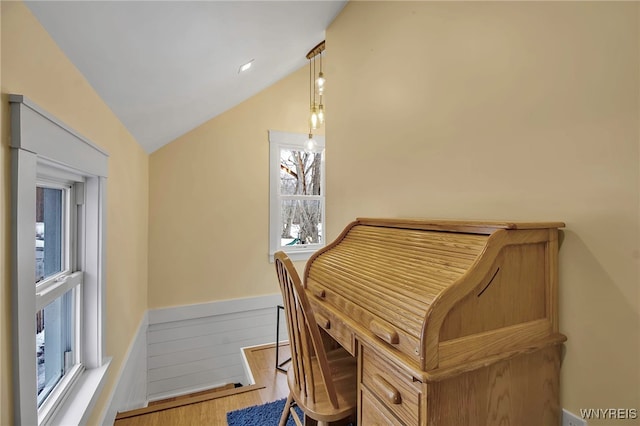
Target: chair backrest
(304,336)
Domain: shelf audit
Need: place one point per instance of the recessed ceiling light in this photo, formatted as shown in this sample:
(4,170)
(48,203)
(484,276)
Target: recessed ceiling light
(245,67)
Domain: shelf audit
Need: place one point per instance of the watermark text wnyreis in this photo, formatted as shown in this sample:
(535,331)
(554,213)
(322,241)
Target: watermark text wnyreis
(609,413)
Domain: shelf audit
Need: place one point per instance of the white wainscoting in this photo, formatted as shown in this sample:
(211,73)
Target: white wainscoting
(130,391)
(196,347)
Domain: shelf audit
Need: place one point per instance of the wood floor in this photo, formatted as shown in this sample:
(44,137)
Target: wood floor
(211,408)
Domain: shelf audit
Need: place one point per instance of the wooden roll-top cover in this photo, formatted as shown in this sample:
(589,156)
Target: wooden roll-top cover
(420,286)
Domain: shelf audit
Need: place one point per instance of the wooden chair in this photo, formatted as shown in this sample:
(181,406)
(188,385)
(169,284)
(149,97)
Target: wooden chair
(322,383)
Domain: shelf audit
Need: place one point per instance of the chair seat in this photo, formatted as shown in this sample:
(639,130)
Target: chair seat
(343,367)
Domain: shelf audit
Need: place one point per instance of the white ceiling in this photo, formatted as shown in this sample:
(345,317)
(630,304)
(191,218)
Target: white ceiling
(165,67)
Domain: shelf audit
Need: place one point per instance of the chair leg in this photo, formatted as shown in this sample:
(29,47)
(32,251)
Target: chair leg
(308,421)
(285,412)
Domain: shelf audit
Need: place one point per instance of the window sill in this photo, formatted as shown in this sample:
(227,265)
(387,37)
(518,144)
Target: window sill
(297,255)
(77,407)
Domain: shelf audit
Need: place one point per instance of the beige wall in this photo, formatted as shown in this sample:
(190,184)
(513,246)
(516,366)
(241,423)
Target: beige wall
(209,201)
(34,66)
(521,111)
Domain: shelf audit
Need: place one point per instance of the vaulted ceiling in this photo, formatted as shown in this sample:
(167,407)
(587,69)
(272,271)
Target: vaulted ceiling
(165,67)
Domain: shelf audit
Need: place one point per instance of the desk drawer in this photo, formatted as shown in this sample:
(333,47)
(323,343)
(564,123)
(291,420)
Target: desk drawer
(390,329)
(334,326)
(374,414)
(394,387)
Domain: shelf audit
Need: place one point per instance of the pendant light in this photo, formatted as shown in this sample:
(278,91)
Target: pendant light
(316,91)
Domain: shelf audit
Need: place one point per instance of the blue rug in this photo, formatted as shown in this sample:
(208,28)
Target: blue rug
(260,415)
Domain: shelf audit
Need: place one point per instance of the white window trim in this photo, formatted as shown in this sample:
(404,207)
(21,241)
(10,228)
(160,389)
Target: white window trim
(277,141)
(40,142)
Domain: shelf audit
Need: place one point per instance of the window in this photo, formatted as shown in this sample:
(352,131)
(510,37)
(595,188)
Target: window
(296,195)
(57,286)
(59,182)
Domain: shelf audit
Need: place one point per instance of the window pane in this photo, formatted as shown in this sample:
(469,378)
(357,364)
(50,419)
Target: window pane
(300,172)
(49,232)
(301,222)
(54,342)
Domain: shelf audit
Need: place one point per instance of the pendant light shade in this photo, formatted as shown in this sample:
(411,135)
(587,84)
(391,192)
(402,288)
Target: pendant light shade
(321,114)
(320,82)
(310,145)
(313,120)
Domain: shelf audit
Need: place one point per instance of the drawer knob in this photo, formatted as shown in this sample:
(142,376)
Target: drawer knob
(320,294)
(323,321)
(385,332)
(387,390)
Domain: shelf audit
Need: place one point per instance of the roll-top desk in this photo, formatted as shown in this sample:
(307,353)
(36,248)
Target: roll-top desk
(454,323)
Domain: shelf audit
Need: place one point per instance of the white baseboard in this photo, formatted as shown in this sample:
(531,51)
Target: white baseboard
(130,390)
(167,395)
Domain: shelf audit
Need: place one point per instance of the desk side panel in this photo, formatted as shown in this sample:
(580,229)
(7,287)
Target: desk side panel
(521,391)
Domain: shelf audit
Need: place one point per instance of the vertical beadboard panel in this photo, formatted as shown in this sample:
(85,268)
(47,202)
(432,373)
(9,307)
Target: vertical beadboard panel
(130,391)
(196,347)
